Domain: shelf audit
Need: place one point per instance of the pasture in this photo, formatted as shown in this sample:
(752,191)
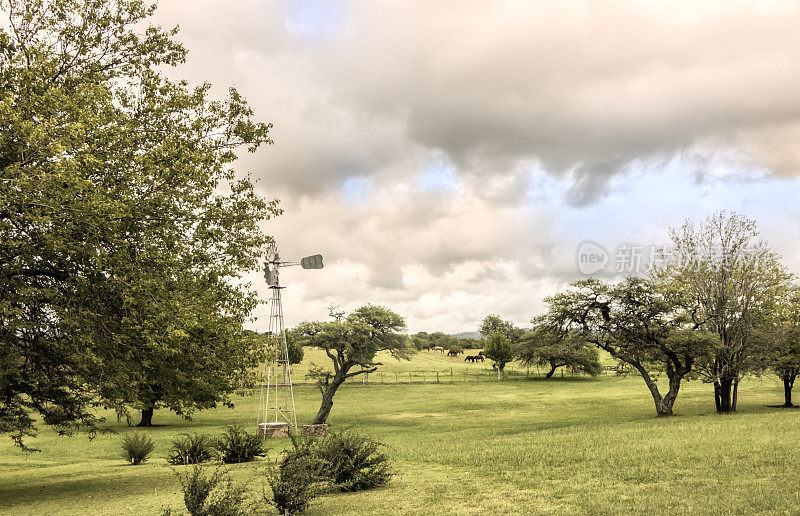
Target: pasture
(572,445)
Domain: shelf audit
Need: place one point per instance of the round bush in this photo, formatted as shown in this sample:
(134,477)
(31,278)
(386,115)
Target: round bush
(136,447)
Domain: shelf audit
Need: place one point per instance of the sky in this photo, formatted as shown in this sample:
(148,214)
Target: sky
(452,159)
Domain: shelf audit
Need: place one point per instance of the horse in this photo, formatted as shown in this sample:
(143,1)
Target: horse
(438,348)
(452,353)
(426,347)
(472,358)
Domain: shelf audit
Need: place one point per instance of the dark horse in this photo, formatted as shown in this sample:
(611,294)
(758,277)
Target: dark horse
(473,358)
(452,353)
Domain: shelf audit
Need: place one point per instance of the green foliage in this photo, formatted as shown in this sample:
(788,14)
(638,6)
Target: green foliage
(297,478)
(343,461)
(492,324)
(237,445)
(352,342)
(731,281)
(192,449)
(123,230)
(354,462)
(136,447)
(499,350)
(544,347)
(212,495)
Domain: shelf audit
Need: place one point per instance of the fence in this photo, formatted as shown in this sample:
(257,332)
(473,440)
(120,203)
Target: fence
(451,376)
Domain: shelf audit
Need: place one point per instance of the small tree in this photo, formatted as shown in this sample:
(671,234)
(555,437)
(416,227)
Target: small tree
(546,348)
(352,343)
(499,350)
(494,324)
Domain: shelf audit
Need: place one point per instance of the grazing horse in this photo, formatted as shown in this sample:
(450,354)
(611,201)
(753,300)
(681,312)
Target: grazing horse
(452,353)
(439,349)
(425,347)
(472,358)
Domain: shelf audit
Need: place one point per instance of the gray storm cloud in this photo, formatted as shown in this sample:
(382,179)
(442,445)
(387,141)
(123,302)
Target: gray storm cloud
(581,91)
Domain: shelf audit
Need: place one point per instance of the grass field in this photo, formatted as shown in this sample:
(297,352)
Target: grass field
(571,445)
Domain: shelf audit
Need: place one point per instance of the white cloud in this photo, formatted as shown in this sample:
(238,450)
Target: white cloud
(448,157)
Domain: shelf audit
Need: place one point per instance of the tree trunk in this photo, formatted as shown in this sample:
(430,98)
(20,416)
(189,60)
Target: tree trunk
(551,372)
(327,400)
(724,396)
(788,383)
(663,406)
(147,417)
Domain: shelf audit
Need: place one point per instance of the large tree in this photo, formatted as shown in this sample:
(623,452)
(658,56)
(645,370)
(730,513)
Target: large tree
(733,280)
(123,231)
(638,321)
(551,349)
(352,343)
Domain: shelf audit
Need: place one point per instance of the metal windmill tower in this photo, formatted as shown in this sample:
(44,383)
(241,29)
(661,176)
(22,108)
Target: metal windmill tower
(276,402)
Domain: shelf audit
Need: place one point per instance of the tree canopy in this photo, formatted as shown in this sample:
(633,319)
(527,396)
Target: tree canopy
(352,343)
(551,349)
(124,231)
(732,281)
(638,321)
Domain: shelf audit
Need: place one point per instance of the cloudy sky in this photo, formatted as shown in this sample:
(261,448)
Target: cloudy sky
(448,158)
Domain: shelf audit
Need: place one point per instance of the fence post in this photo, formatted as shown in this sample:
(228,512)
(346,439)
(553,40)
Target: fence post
(437,376)
(395,378)
(451,375)
(409,377)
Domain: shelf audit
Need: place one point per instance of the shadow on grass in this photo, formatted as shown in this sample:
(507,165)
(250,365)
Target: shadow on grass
(111,484)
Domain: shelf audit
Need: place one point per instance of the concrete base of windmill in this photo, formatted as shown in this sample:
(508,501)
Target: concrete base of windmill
(273,429)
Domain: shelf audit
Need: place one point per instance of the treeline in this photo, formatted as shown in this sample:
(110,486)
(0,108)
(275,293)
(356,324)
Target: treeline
(424,340)
(717,305)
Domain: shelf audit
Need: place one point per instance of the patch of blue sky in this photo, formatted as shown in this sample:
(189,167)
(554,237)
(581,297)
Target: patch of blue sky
(438,175)
(355,189)
(643,202)
(313,17)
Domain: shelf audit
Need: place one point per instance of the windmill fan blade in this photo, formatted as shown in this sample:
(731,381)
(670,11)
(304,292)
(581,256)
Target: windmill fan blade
(312,262)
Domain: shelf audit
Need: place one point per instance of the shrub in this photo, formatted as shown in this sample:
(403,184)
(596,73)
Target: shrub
(136,447)
(297,478)
(237,445)
(191,449)
(213,495)
(345,461)
(353,462)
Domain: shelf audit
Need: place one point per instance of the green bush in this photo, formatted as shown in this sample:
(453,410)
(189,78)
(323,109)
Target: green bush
(136,447)
(237,445)
(297,478)
(191,449)
(343,461)
(213,495)
(353,462)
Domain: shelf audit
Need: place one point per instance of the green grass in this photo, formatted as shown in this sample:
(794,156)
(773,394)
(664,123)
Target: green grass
(569,445)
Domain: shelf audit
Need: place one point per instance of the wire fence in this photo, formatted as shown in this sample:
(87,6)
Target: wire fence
(455,376)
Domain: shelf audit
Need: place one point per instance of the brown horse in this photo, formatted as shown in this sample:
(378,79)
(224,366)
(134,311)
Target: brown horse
(452,353)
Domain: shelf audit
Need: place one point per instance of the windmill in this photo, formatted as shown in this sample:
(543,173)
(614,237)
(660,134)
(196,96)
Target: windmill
(276,401)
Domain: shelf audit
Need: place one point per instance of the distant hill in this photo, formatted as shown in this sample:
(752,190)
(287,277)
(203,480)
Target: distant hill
(474,335)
